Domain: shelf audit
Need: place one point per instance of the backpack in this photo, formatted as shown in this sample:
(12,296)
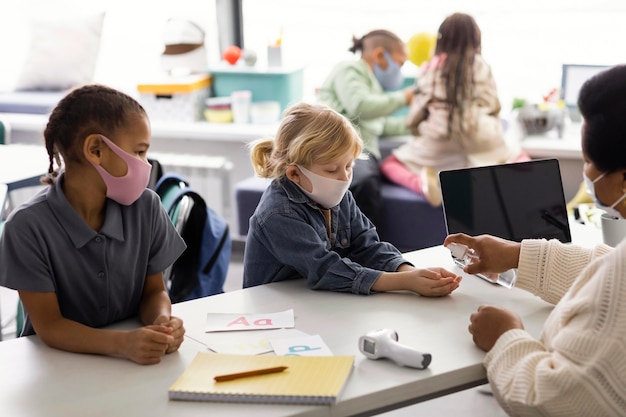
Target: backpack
(201,269)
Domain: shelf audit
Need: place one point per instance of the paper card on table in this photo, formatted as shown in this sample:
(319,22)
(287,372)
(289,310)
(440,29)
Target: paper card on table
(225,322)
(301,346)
(249,343)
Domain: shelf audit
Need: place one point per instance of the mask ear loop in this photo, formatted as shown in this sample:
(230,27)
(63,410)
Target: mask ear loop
(619,200)
(599,177)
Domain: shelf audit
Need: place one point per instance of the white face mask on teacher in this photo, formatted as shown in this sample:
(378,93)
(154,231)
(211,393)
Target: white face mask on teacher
(610,210)
(327,192)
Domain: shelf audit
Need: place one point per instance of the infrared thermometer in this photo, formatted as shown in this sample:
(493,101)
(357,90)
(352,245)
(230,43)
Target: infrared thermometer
(383,343)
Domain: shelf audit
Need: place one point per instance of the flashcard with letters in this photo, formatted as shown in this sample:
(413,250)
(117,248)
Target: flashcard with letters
(249,343)
(301,346)
(227,322)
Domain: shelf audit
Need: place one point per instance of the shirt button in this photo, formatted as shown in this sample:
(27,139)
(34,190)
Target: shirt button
(98,239)
(344,241)
(100,274)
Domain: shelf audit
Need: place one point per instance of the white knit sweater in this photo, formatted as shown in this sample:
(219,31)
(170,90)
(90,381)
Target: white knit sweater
(578,365)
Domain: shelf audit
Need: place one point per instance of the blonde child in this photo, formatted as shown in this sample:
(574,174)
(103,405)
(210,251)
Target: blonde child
(307,225)
(89,250)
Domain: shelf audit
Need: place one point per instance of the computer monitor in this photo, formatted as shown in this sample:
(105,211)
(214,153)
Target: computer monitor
(572,79)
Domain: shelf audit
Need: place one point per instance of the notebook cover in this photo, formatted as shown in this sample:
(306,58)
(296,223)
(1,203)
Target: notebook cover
(308,379)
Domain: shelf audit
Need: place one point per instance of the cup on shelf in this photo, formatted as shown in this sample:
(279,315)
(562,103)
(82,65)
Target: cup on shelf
(240,105)
(218,110)
(265,112)
(274,56)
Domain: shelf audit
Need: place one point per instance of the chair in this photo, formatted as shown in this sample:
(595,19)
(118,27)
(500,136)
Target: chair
(4,192)
(4,201)
(19,318)
(155,173)
(5,132)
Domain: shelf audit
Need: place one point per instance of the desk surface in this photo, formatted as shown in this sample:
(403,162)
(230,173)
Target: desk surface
(35,123)
(22,165)
(37,380)
(549,145)
(538,146)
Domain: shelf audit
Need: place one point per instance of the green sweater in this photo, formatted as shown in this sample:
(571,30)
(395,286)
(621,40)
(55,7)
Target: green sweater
(352,90)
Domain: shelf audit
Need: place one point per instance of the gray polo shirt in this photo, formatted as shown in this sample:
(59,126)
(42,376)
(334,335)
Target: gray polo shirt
(98,277)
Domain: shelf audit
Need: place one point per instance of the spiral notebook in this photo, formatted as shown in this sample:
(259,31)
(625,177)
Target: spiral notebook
(307,379)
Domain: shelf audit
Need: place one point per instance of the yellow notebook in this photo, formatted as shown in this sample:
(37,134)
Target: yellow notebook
(307,379)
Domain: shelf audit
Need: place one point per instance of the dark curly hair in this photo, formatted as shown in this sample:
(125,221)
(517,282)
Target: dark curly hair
(602,104)
(86,110)
(379,37)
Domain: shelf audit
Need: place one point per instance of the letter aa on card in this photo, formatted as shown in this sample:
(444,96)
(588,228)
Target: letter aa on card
(225,322)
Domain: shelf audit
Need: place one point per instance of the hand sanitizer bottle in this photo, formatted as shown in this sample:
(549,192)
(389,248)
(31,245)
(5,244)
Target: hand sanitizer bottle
(465,255)
(461,252)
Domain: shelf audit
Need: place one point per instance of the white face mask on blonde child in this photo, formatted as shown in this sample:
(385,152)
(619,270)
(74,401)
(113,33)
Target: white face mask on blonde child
(327,192)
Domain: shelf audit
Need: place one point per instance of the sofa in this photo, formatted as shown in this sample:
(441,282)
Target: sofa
(409,221)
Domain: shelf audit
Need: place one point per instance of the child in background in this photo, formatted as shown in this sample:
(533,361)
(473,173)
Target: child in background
(366,92)
(89,250)
(308,225)
(454,115)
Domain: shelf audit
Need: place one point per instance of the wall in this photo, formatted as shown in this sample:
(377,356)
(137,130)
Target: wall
(525,42)
(132,38)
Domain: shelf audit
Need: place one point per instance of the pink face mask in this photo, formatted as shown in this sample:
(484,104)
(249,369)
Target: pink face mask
(128,188)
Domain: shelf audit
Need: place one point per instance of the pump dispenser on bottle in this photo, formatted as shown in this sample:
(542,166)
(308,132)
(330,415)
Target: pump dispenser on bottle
(461,252)
(464,256)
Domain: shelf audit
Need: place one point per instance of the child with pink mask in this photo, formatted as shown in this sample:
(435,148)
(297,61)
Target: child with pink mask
(89,250)
(307,224)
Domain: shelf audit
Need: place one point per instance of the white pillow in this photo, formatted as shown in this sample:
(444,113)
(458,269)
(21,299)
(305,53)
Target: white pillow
(63,53)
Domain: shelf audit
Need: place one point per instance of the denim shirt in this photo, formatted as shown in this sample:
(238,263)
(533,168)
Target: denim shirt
(288,239)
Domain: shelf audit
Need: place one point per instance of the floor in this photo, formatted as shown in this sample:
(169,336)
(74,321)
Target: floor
(472,402)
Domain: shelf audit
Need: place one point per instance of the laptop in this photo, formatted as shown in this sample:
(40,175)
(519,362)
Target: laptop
(515,201)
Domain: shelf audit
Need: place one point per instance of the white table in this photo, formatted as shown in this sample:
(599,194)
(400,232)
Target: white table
(37,380)
(22,165)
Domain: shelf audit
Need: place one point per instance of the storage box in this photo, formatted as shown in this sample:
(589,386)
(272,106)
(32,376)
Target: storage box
(271,84)
(178,98)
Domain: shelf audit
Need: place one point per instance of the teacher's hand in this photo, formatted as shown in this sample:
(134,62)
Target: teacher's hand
(488,323)
(492,254)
